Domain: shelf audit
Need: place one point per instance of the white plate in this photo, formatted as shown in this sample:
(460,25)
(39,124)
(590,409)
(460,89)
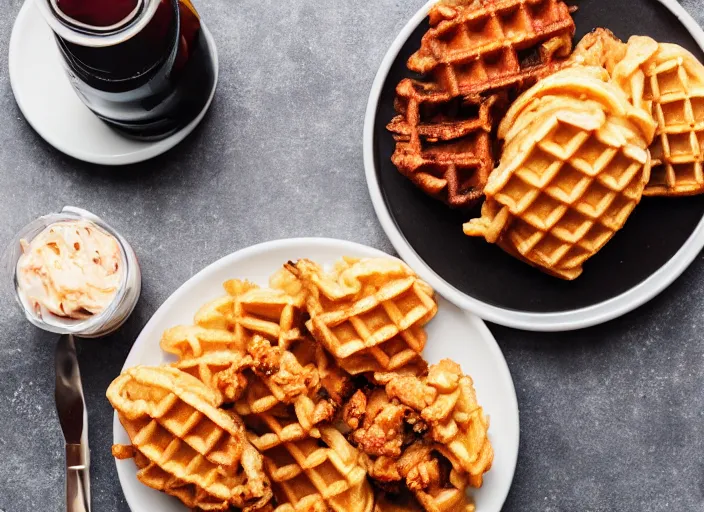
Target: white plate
(51,106)
(452,333)
(558,321)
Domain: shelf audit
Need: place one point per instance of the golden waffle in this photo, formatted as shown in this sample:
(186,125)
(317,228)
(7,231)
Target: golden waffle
(173,421)
(668,81)
(151,475)
(213,350)
(488,45)
(443,145)
(221,371)
(272,314)
(369,313)
(315,470)
(230,322)
(187,341)
(574,166)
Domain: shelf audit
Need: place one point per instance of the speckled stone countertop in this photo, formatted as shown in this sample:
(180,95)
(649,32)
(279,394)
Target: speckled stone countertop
(612,418)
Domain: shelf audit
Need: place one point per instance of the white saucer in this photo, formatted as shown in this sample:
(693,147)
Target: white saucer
(452,333)
(53,109)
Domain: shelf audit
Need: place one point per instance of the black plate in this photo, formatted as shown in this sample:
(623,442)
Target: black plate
(653,234)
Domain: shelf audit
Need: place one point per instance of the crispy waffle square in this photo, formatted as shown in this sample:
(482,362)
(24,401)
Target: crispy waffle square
(316,470)
(172,420)
(443,145)
(369,314)
(675,88)
(494,44)
(573,169)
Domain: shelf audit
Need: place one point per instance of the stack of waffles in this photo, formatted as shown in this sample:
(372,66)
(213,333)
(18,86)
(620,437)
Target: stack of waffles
(475,57)
(560,145)
(668,82)
(574,166)
(257,411)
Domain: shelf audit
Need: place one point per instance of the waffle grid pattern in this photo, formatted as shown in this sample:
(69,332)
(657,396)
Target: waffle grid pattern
(171,420)
(677,99)
(381,331)
(448,156)
(495,44)
(310,473)
(151,475)
(269,313)
(567,197)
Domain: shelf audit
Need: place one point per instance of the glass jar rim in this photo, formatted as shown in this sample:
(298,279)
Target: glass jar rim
(87,35)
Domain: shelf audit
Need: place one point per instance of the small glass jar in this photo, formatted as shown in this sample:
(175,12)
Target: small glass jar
(100,324)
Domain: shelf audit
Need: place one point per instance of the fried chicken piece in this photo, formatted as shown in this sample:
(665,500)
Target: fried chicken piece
(354,410)
(267,357)
(420,469)
(421,479)
(301,375)
(427,434)
(232,382)
(456,421)
(283,369)
(384,471)
(411,391)
(323,412)
(294,379)
(382,431)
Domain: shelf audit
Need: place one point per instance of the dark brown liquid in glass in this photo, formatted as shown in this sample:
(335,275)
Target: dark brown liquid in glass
(150,85)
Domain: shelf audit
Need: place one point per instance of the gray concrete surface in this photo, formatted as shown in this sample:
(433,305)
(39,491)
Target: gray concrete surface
(612,418)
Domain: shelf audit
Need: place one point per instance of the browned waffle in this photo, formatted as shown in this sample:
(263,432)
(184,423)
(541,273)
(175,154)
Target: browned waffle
(477,51)
(494,44)
(443,146)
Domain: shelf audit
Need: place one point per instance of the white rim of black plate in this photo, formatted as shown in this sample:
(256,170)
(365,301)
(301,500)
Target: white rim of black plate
(535,321)
(453,333)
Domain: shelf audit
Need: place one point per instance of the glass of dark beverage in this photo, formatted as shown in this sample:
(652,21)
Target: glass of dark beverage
(145,67)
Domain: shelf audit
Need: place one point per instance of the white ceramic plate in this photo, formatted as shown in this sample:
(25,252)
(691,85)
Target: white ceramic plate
(51,106)
(452,333)
(559,319)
